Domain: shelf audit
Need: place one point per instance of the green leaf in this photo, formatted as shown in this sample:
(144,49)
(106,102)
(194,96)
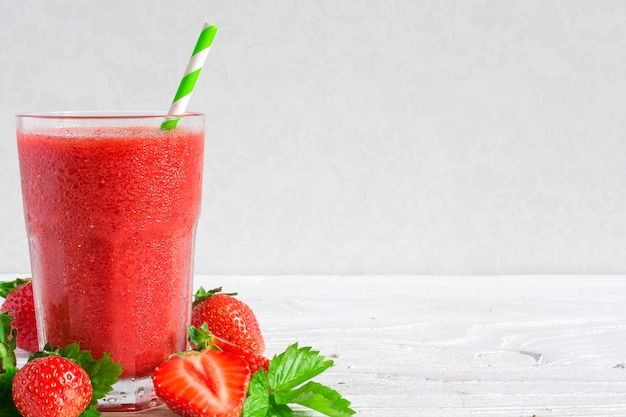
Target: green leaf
(103,373)
(257,401)
(8,338)
(7,407)
(279,410)
(90,411)
(295,366)
(7,286)
(8,367)
(269,394)
(317,397)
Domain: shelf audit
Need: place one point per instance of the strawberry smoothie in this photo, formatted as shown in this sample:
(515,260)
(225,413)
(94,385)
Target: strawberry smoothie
(111,208)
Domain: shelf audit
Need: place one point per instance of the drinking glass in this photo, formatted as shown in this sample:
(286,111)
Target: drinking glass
(111,203)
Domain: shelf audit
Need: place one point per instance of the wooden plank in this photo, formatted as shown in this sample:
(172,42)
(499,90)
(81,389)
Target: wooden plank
(511,346)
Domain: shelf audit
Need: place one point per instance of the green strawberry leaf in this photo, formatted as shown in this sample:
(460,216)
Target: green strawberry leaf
(269,394)
(258,401)
(317,397)
(8,338)
(279,410)
(295,366)
(7,407)
(7,286)
(7,366)
(102,372)
(90,411)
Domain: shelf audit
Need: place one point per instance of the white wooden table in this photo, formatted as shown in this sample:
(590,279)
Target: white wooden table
(452,346)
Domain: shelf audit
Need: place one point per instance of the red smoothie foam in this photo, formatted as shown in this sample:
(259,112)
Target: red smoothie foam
(111,216)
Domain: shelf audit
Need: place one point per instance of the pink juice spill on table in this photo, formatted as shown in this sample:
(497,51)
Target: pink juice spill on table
(111,216)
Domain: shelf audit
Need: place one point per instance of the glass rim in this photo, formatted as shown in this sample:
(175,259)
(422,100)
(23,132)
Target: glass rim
(104,115)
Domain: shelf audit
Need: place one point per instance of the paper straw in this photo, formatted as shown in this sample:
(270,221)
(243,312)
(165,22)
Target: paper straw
(196,62)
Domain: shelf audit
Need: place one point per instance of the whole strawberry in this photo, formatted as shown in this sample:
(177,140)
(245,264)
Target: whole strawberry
(209,383)
(19,303)
(228,318)
(51,386)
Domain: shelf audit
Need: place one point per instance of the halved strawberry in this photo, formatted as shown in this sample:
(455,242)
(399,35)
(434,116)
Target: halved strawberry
(202,384)
(228,318)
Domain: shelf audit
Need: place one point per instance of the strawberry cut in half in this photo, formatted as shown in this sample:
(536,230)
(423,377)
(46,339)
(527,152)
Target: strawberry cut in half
(210,383)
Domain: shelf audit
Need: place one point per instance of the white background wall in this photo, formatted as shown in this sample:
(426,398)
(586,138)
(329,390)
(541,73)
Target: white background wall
(380,136)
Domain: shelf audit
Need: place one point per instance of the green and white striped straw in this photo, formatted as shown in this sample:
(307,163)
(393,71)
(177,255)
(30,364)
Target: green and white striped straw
(196,62)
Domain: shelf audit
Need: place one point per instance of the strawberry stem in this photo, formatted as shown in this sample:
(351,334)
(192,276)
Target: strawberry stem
(203,294)
(202,338)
